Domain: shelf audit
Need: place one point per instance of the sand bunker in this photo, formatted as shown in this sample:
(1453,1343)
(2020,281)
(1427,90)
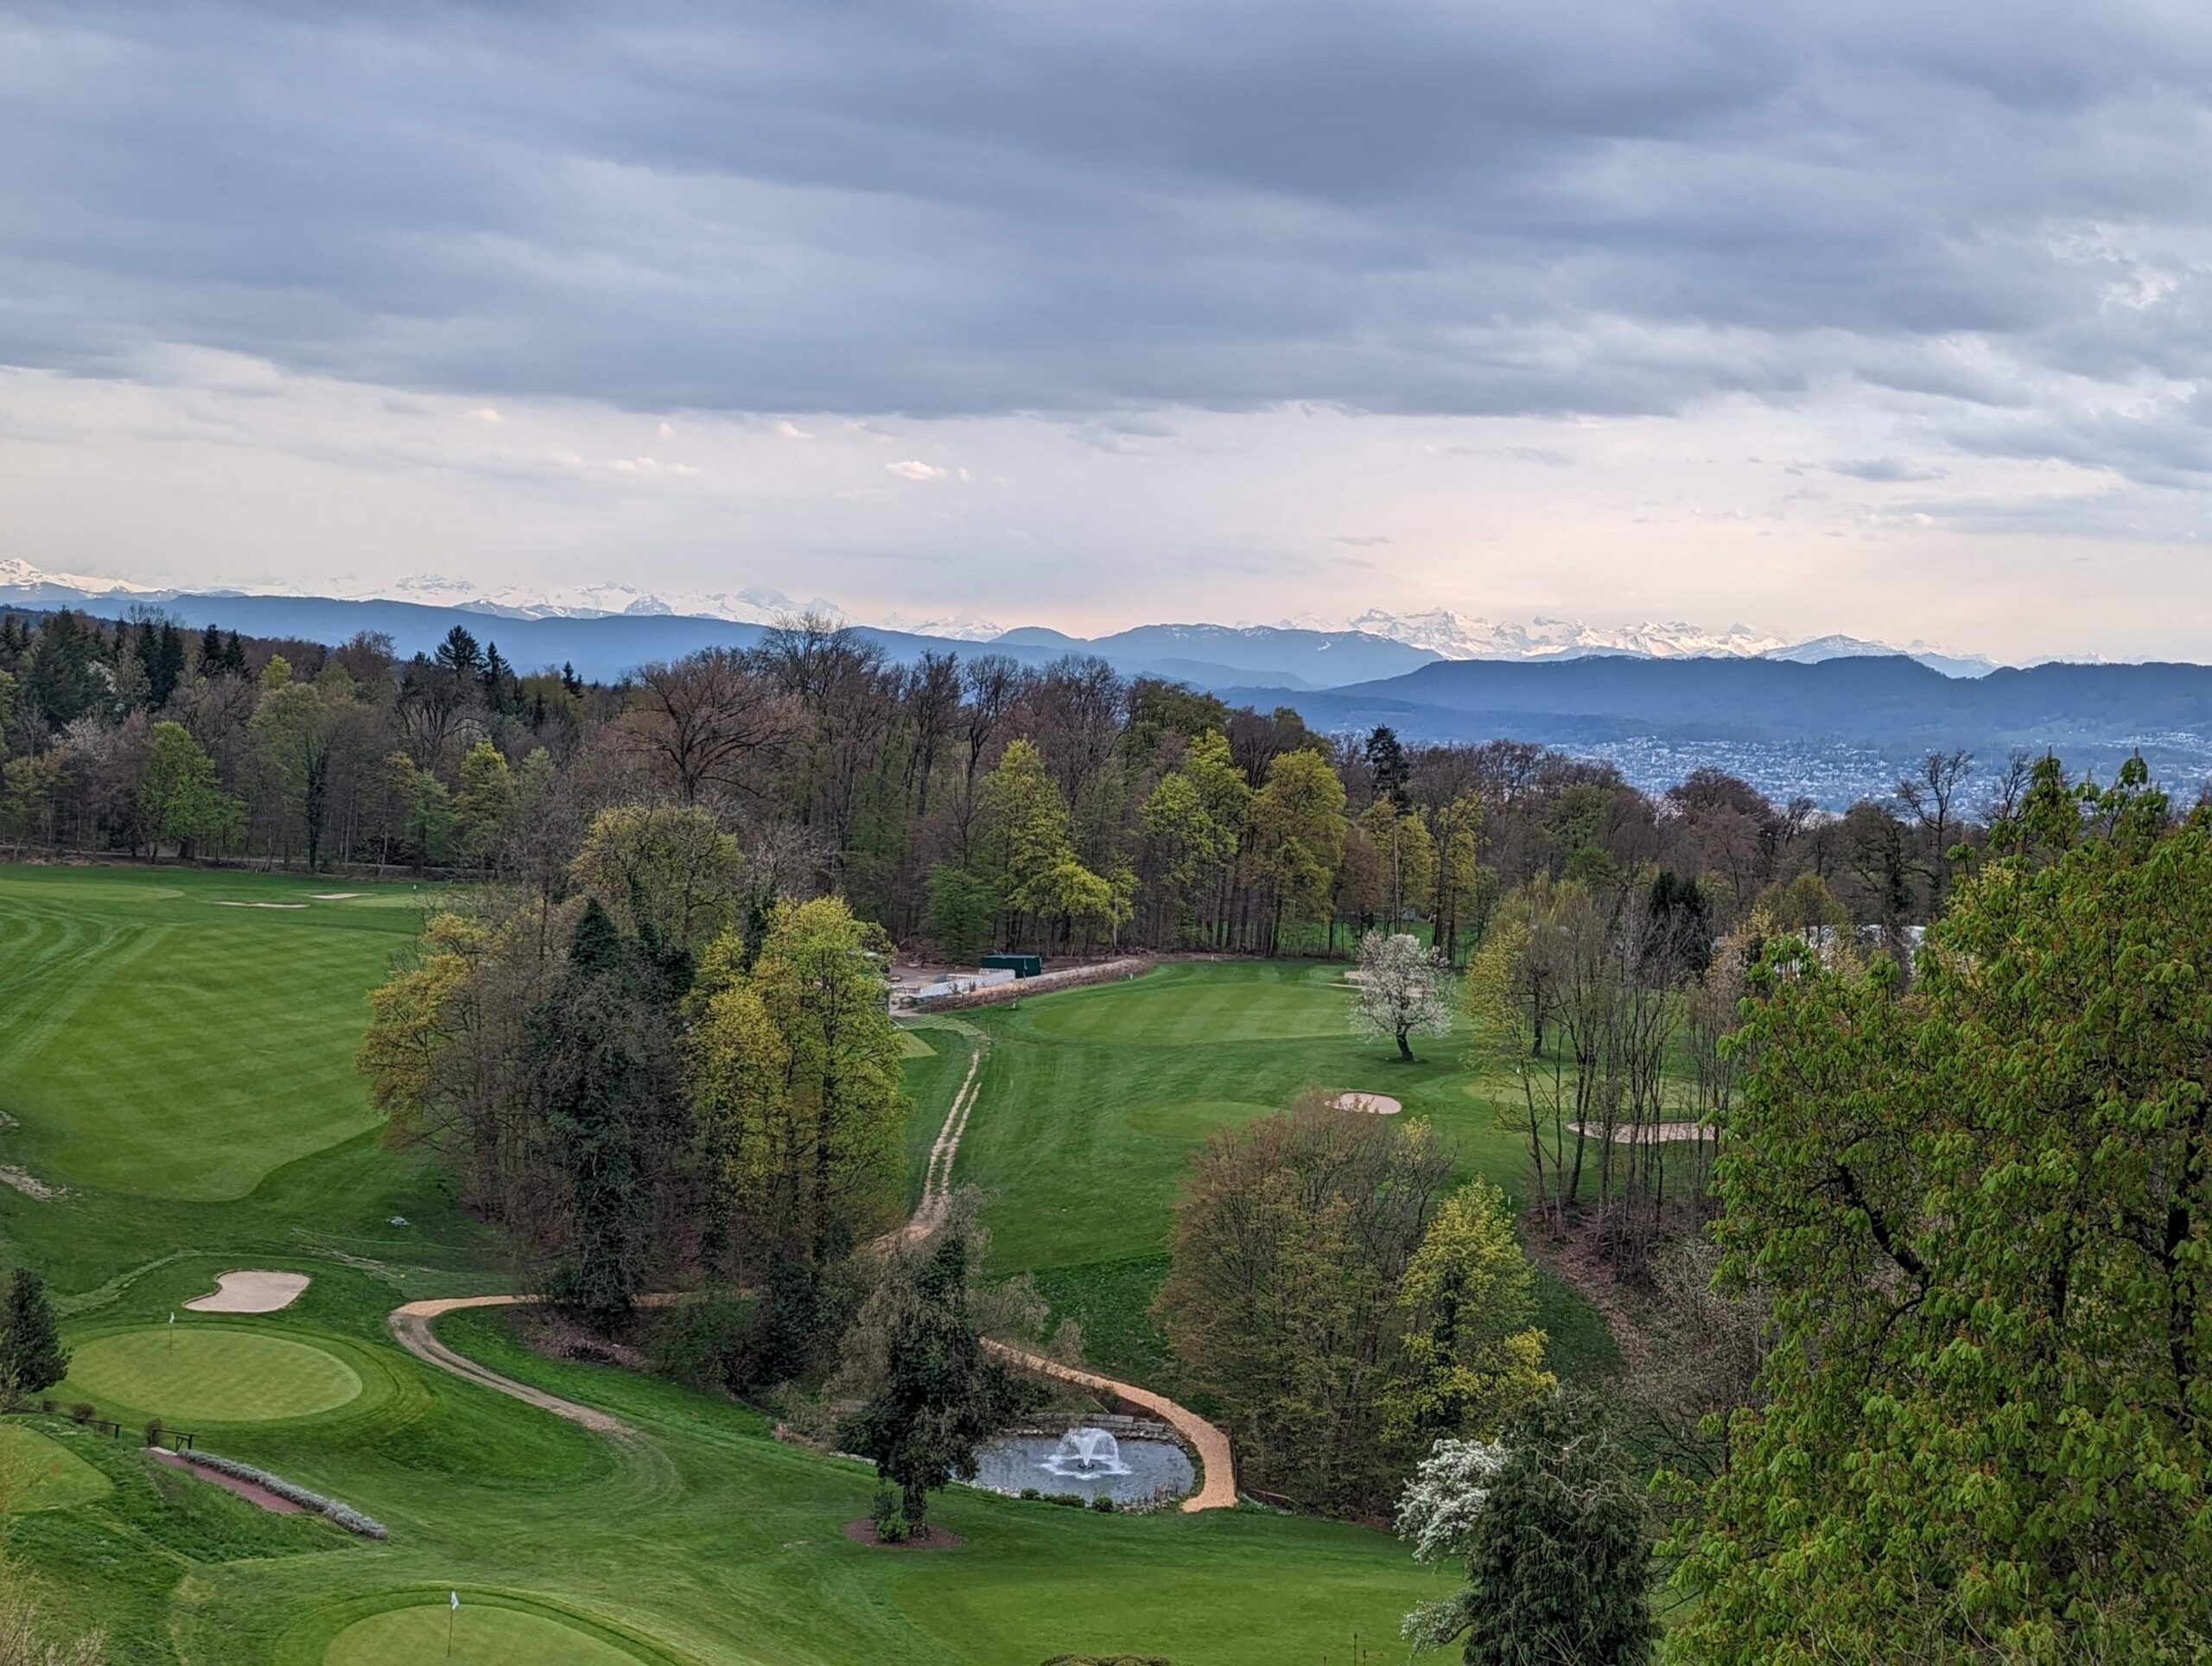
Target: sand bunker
(336,896)
(222,903)
(251,1293)
(29,1184)
(1375,1104)
(1645,1134)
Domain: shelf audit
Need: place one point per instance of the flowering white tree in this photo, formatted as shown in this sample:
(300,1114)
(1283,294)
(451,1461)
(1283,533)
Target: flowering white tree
(1439,1511)
(1404,990)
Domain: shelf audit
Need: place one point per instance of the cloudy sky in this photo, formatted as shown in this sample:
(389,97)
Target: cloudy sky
(1881,318)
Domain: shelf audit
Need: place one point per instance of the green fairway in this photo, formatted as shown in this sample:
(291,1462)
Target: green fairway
(216,1375)
(1093,1099)
(35,1473)
(183,1067)
(157,1039)
(474,1633)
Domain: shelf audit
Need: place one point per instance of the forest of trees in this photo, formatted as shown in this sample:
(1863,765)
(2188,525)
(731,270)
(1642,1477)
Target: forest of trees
(966,805)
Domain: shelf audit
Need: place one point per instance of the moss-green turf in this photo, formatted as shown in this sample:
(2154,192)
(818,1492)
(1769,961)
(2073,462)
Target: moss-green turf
(194,1140)
(188,1374)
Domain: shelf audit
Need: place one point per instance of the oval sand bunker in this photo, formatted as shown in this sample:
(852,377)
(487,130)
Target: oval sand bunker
(251,1291)
(1375,1104)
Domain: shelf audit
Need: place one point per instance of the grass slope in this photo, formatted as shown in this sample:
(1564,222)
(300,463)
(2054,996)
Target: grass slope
(700,1539)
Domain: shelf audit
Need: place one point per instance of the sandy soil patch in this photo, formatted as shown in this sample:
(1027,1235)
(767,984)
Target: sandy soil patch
(29,1184)
(221,902)
(1375,1104)
(251,1291)
(1645,1134)
(252,1494)
(336,896)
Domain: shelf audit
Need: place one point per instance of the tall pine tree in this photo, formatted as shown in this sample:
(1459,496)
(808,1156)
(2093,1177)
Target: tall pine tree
(601,1049)
(31,1354)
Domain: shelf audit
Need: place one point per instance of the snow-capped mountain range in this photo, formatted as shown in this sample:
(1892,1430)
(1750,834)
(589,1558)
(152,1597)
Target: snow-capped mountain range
(1455,636)
(1437,631)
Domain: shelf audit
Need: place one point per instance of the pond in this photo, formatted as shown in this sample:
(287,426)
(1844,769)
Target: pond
(1091,1462)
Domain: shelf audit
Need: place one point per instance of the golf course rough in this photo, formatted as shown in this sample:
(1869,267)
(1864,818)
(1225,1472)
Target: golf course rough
(220,1376)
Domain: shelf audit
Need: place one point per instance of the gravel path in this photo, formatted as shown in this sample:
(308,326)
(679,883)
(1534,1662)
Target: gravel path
(411,1328)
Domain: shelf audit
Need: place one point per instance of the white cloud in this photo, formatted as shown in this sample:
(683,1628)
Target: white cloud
(485,416)
(914,470)
(790,430)
(667,430)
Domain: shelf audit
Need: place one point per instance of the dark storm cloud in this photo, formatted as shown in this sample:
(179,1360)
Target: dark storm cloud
(941,209)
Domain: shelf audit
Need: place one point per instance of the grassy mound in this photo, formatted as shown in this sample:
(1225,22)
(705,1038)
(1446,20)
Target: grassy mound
(36,1473)
(211,1375)
(482,1635)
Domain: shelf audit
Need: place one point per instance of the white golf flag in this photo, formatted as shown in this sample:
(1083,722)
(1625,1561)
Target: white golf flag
(172,1315)
(456,1599)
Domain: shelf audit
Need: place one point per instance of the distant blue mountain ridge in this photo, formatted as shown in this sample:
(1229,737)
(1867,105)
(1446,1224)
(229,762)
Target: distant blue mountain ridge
(1834,728)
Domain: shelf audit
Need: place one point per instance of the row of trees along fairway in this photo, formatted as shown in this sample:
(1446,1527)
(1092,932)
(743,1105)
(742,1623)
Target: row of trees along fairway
(970,801)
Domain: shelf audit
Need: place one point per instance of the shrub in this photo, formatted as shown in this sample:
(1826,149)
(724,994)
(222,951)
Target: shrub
(1031,1492)
(889,1519)
(84,1411)
(154,1430)
(1073,1500)
(1102,1504)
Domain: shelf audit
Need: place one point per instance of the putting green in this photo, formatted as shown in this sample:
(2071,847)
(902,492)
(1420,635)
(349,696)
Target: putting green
(220,1376)
(36,1473)
(482,1635)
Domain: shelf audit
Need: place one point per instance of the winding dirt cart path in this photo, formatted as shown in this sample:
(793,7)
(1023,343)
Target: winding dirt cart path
(411,1328)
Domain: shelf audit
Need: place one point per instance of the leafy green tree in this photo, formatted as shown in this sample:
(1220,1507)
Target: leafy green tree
(669,872)
(482,807)
(1290,1300)
(1460,875)
(180,800)
(294,727)
(1984,1210)
(798,1081)
(1551,1522)
(30,790)
(964,911)
(941,1394)
(1472,1351)
(31,1354)
(1298,828)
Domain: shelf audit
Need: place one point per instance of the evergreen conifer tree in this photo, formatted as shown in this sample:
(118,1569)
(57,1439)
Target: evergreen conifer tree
(31,1354)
